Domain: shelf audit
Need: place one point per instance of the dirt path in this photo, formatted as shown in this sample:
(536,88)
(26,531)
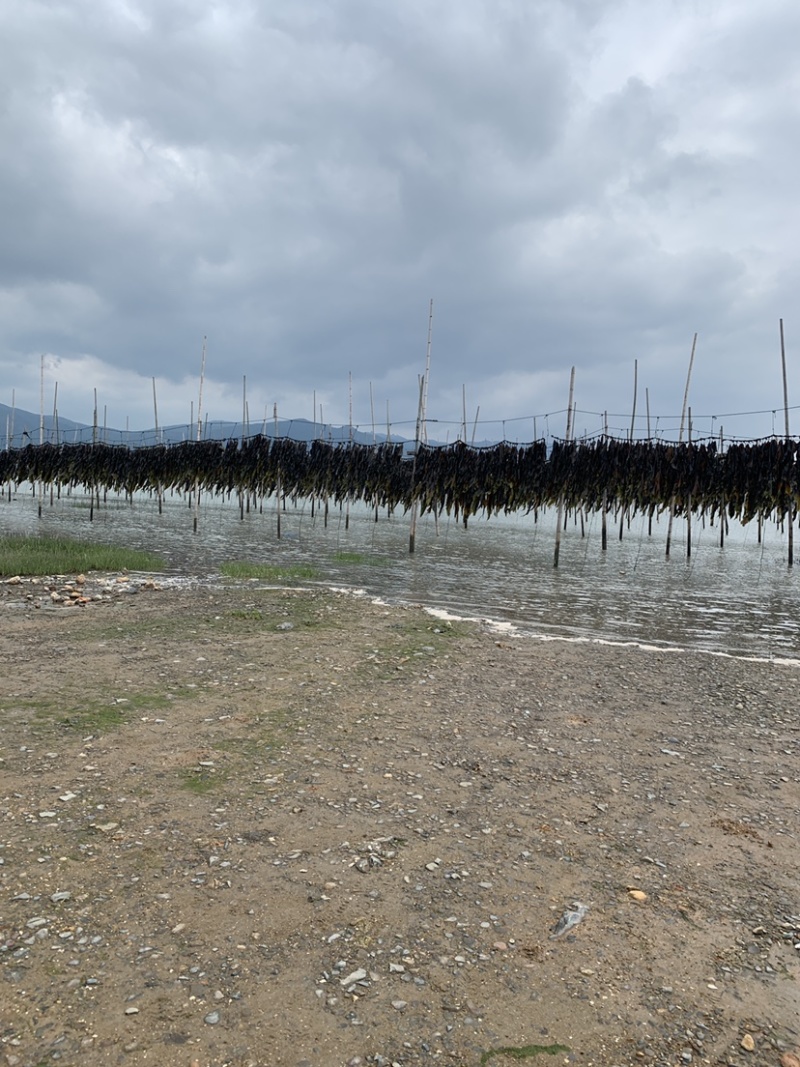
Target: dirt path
(254,827)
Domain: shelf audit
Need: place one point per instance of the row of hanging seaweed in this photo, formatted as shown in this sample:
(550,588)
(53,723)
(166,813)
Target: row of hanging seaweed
(744,480)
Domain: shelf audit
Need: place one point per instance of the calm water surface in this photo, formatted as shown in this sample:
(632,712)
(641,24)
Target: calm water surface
(742,600)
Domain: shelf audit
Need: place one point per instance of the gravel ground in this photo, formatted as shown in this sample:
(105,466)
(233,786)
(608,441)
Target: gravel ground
(250,826)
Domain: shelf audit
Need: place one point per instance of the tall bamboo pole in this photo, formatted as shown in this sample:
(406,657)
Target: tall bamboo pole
(680,438)
(561,495)
(54,437)
(689,499)
(41,426)
(650,514)
(421,414)
(722,503)
(786,418)
(278,481)
(604,510)
(241,442)
(159,493)
(626,511)
(199,434)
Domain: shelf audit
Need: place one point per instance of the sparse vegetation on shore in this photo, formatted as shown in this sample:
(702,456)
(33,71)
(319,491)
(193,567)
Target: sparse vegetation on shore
(27,555)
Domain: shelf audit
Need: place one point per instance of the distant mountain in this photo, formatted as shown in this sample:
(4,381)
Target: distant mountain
(20,428)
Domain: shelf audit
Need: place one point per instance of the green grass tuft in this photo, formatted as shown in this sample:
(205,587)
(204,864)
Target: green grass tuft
(266,571)
(25,555)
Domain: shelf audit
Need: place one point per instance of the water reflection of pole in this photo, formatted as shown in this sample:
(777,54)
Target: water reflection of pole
(561,494)
(786,417)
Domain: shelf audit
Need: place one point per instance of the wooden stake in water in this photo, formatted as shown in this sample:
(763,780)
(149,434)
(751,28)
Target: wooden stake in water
(786,417)
(561,495)
(680,438)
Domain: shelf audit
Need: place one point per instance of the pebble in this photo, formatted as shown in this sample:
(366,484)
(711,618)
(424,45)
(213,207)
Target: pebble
(748,1043)
(354,976)
(212,1018)
(399,1004)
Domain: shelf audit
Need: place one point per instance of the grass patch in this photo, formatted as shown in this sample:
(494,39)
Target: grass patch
(201,780)
(523,1052)
(98,717)
(24,555)
(267,571)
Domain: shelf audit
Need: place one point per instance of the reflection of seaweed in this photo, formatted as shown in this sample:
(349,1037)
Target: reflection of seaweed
(523,1052)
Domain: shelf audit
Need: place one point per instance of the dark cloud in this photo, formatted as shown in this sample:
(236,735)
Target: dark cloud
(573,183)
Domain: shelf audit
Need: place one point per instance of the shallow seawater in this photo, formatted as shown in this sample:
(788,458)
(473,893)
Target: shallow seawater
(741,600)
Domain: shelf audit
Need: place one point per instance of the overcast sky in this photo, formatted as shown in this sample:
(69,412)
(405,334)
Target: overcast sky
(581,182)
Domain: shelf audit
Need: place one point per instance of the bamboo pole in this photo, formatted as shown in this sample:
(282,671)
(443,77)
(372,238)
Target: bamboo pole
(421,414)
(241,442)
(349,440)
(680,438)
(604,511)
(278,481)
(374,439)
(557,551)
(412,537)
(41,426)
(626,511)
(199,434)
(786,418)
(689,499)
(93,488)
(649,438)
(325,497)
(54,436)
(722,503)
(159,492)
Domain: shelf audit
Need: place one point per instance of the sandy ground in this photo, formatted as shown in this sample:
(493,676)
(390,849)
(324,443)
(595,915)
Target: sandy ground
(279,827)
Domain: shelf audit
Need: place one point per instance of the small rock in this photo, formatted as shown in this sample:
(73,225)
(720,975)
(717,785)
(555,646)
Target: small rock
(748,1043)
(58,897)
(398,1005)
(638,895)
(790,1059)
(354,976)
(212,1018)
(131,1011)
